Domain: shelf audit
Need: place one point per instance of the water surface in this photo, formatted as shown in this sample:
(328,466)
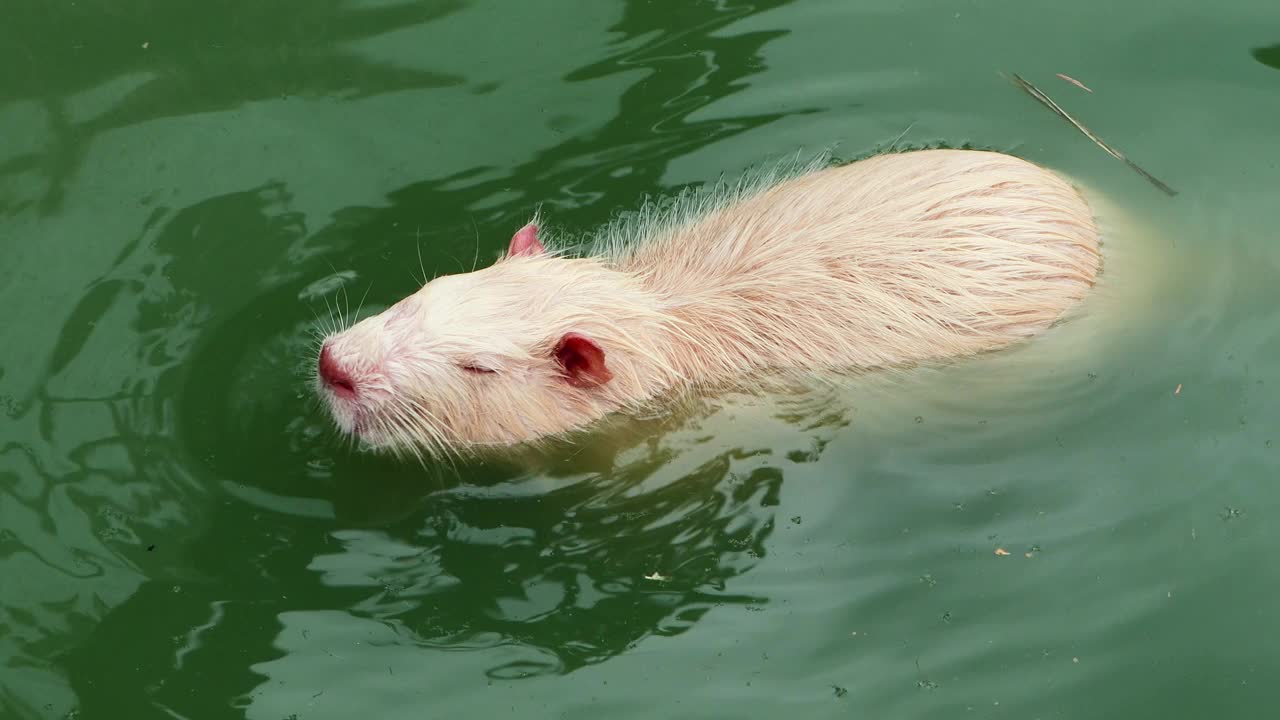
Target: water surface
(185,186)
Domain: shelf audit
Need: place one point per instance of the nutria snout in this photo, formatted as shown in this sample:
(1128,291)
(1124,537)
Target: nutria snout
(335,379)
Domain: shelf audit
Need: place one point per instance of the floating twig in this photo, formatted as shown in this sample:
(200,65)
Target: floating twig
(1074,81)
(1036,93)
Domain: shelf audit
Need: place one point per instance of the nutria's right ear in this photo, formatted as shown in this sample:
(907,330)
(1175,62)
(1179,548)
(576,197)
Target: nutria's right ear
(582,361)
(525,242)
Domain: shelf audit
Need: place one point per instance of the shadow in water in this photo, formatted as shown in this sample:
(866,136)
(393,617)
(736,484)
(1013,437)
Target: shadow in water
(1269,56)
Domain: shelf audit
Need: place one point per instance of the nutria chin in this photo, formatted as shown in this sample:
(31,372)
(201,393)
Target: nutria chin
(895,260)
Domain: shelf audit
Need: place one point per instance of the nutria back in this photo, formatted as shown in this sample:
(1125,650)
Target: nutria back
(896,259)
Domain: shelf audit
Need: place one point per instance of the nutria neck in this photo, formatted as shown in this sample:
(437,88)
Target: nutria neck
(715,326)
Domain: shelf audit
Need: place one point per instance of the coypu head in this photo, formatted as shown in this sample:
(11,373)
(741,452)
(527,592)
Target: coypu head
(532,346)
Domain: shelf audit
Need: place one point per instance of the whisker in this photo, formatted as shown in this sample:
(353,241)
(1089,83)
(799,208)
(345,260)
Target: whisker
(417,242)
(362,299)
(476,260)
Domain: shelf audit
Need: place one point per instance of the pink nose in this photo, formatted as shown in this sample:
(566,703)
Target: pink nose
(334,377)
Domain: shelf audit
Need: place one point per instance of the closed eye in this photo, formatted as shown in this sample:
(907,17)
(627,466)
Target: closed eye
(477,369)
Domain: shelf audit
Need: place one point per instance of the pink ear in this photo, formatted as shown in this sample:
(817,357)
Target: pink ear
(582,361)
(525,242)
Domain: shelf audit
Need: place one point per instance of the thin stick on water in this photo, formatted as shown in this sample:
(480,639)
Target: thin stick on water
(901,135)
(1036,93)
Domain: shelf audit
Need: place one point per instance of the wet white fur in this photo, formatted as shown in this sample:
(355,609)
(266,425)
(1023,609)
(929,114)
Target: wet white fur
(895,260)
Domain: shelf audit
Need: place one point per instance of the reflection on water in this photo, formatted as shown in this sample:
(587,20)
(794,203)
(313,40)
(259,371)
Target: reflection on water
(210,57)
(582,570)
(540,576)
(97,471)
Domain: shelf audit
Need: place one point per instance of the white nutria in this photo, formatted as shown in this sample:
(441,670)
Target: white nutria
(895,260)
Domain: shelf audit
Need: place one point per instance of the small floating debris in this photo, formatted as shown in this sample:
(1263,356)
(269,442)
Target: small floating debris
(1074,81)
(1001,551)
(1178,390)
(657,577)
(923,682)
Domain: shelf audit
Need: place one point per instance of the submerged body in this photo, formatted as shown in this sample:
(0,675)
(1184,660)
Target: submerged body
(895,260)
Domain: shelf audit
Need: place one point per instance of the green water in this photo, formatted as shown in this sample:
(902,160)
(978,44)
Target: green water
(184,186)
